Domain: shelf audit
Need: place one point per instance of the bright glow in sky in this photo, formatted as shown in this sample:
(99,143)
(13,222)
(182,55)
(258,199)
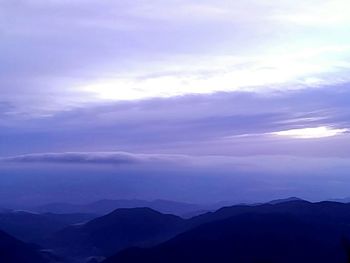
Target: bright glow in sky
(301,69)
(311,133)
(122,50)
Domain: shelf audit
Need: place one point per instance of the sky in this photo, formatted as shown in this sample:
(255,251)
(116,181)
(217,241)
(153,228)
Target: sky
(196,101)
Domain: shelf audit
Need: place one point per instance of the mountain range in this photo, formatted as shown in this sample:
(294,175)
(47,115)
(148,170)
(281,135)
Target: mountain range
(280,231)
(270,238)
(105,206)
(292,231)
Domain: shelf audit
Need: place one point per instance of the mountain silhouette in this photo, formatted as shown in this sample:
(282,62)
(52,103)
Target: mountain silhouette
(13,250)
(105,206)
(144,227)
(131,234)
(248,238)
(120,229)
(337,213)
(32,227)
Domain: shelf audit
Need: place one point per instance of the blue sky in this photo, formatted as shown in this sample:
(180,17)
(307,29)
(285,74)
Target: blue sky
(256,89)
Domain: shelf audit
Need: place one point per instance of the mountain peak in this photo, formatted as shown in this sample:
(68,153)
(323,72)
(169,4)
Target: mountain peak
(285,200)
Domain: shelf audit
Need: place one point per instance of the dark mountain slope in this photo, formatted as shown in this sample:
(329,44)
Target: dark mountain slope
(326,211)
(248,238)
(118,230)
(145,227)
(31,227)
(15,251)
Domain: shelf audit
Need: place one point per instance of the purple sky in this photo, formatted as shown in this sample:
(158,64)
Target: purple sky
(227,100)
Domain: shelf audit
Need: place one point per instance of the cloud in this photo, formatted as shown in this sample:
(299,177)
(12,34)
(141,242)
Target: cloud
(326,14)
(77,55)
(115,158)
(168,77)
(234,165)
(311,133)
(221,123)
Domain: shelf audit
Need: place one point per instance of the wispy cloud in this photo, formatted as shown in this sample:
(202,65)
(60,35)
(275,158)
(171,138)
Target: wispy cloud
(303,69)
(222,123)
(148,50)
(115,158)
(311,133)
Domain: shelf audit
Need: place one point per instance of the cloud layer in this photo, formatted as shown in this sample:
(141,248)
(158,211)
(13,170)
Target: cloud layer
(73,55)
(198,87)
(237,124)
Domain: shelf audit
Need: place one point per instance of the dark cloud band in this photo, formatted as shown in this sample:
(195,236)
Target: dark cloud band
(117,158)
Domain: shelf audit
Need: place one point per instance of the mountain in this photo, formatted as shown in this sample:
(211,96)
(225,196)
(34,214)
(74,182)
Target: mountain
(123,228)
(103,207)
(341,200)
(284,200)
(248,238)
(338,213)
(195,213)
(13,250)
(115,231)
(144,227)
(31,227)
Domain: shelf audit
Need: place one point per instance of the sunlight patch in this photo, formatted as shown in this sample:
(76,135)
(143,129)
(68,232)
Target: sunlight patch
(310,133)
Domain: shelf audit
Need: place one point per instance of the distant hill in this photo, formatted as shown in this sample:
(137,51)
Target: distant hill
(14,251)
(328,211)
(341,200)
(248,238)
(115,231)
(289,199)
(31,227)
(103,207)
